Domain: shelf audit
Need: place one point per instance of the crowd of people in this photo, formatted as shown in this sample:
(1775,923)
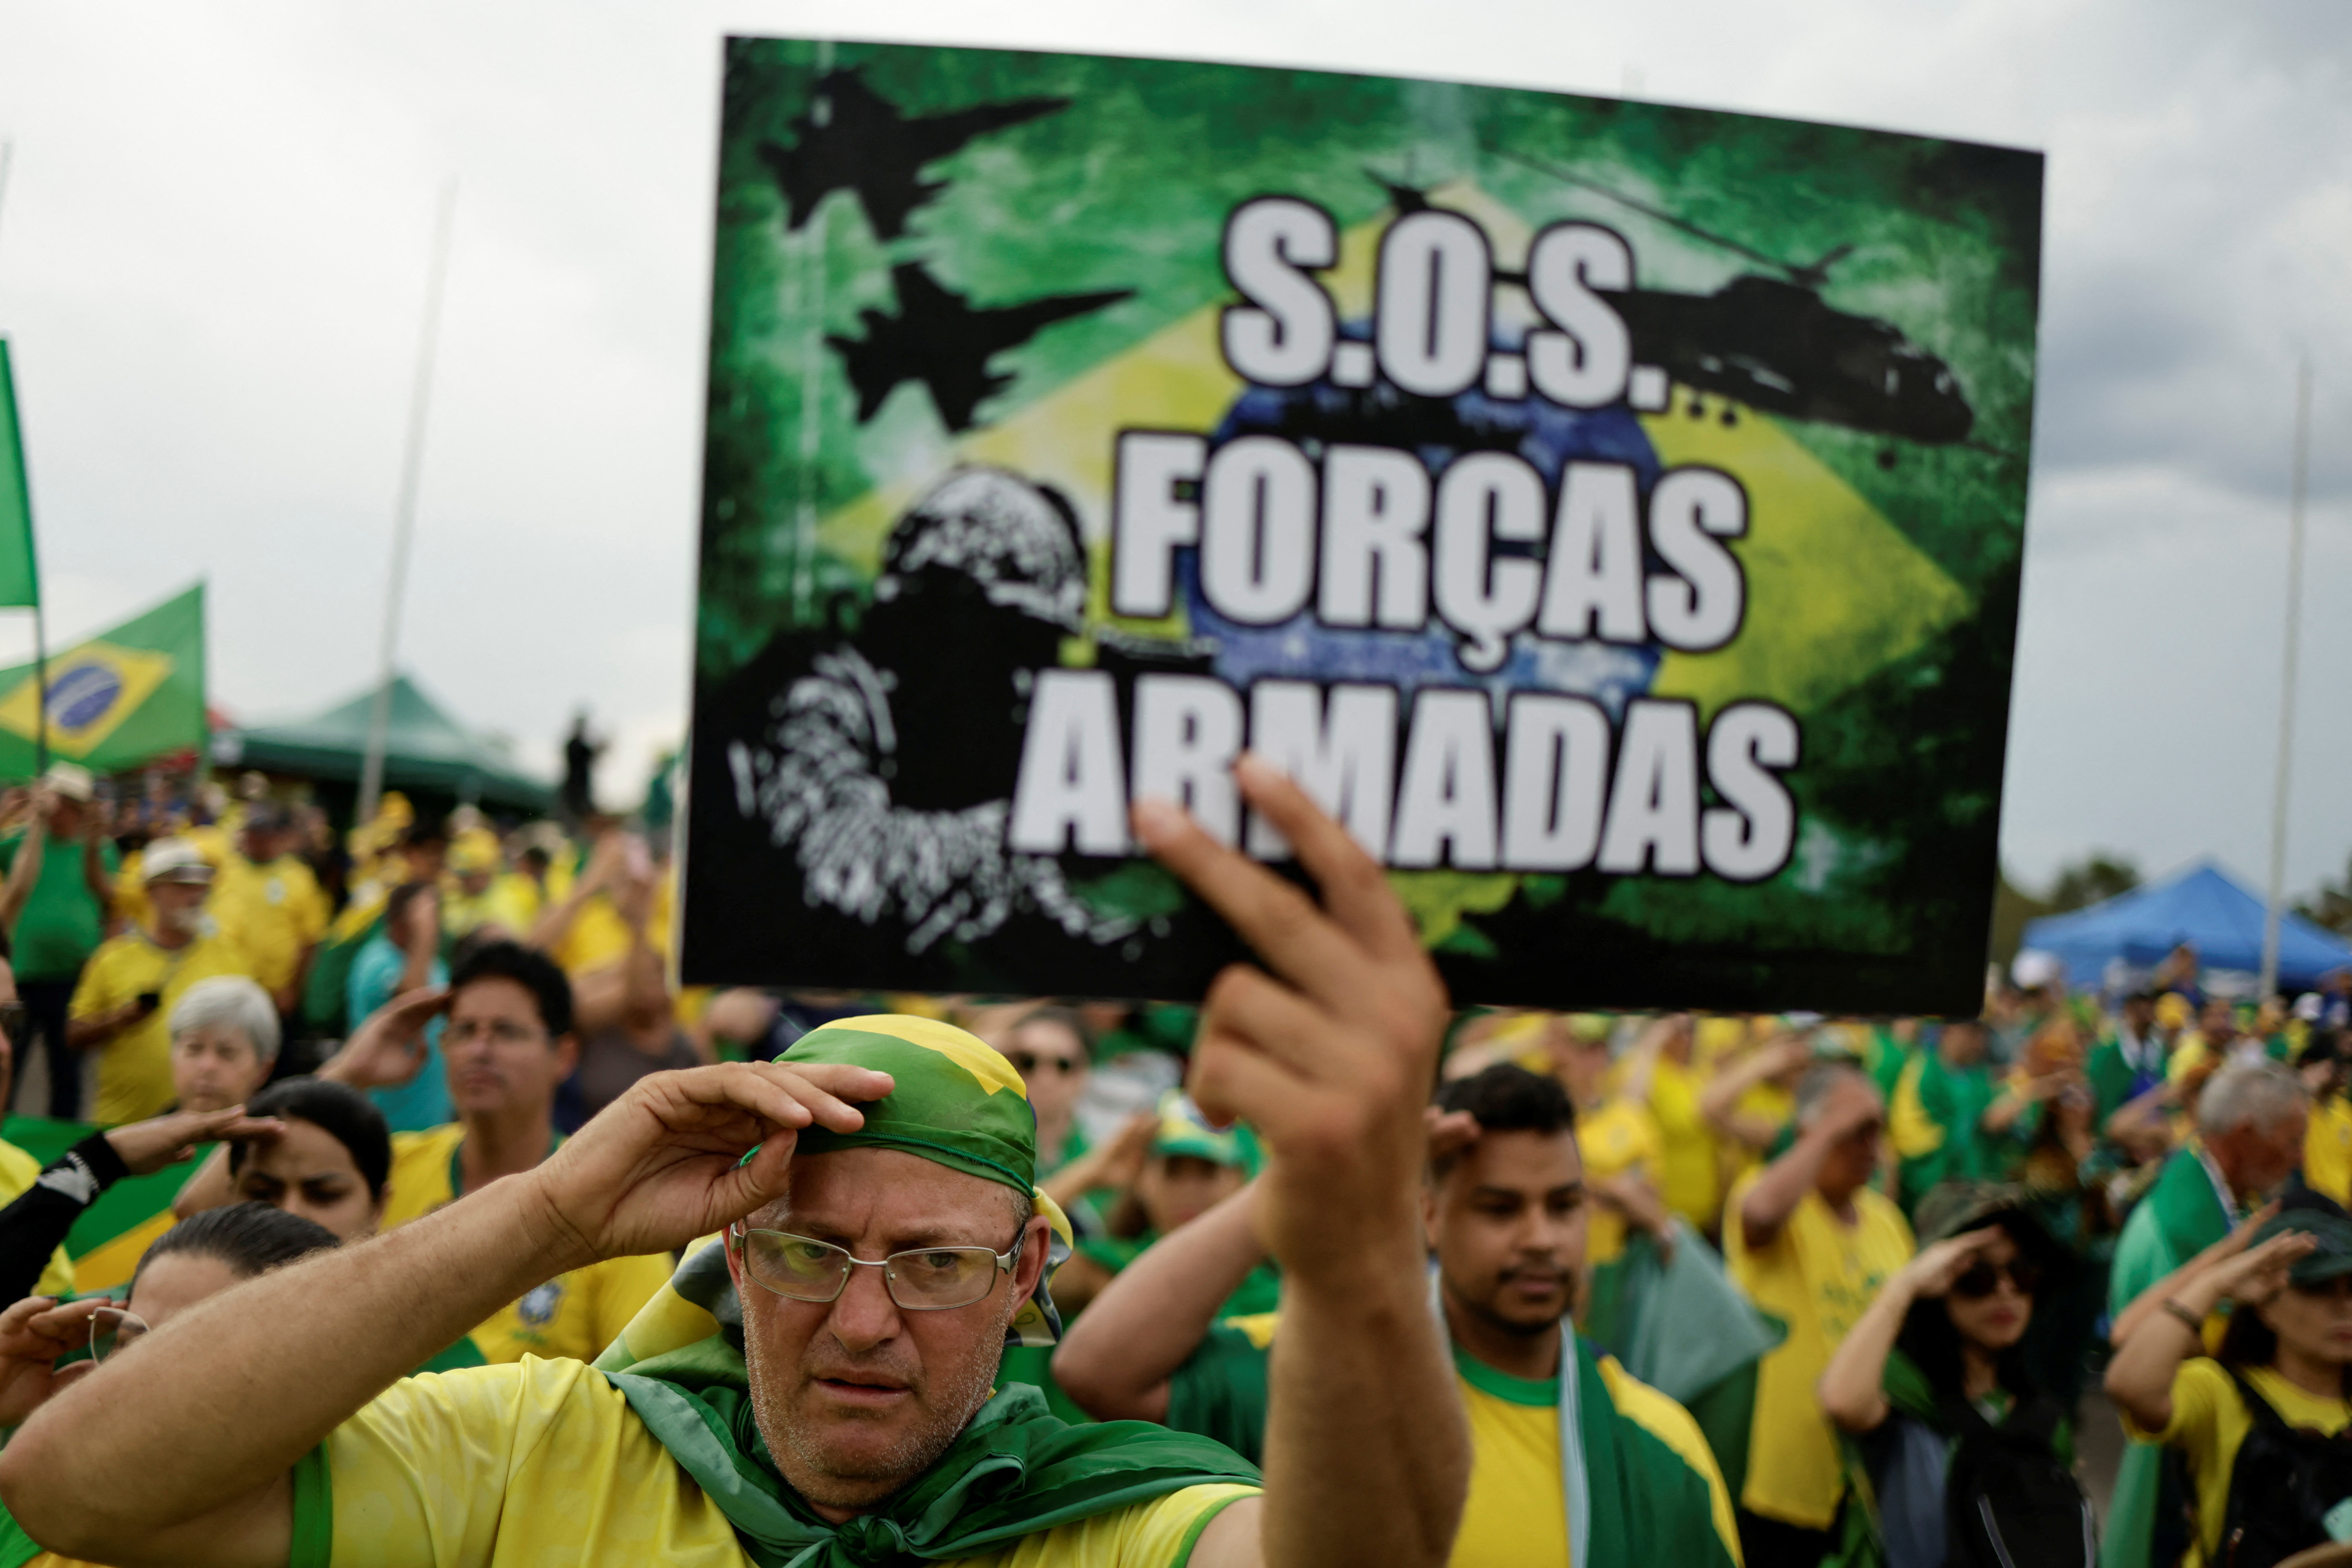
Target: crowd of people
(1320,1271)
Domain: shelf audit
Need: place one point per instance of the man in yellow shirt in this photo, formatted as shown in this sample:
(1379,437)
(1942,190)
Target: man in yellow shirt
(1811,1241)
(828,1398)
(122,1005)
(269,905)
(507,1046)
(1552,1418)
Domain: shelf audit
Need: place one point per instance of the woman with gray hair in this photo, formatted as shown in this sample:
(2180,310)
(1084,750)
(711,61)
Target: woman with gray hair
(224,1042)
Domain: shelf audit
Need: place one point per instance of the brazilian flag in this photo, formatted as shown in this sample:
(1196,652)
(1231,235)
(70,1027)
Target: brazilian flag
(939,270)
(133,693)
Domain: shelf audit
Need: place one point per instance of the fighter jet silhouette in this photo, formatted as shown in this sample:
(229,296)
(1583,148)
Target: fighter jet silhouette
(852,138)
(939,339)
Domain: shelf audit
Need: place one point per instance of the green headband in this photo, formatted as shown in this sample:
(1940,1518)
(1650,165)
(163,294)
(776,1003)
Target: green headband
(953,1099)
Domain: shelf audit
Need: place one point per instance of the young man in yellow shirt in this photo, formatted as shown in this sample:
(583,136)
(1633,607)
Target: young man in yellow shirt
(122,1005)
(1574,1462)
(1811,1241)
(881,1244)
(507,1046)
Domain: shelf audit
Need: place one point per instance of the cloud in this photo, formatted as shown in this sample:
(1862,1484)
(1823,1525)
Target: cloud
(213,250)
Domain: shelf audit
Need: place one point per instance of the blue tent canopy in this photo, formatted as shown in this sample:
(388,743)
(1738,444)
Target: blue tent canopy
(2201,906)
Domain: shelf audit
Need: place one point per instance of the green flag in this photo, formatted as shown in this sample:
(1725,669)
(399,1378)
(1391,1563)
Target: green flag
(20,582)
(124,697)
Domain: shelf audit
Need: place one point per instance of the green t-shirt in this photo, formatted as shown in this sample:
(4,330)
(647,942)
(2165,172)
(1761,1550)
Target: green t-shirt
(62,923)
(1220,1391)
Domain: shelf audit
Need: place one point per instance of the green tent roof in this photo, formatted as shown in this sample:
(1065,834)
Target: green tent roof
(424,749)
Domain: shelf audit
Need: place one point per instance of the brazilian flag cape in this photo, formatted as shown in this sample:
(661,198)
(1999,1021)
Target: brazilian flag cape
(1632,1496)
(1016,1469)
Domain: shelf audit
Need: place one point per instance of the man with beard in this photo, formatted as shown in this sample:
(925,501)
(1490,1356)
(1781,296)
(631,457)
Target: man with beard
(1575,1461)
(827,1404)
(122,1006)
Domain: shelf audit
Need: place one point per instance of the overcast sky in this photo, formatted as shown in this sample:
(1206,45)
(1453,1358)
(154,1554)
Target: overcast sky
(213,255)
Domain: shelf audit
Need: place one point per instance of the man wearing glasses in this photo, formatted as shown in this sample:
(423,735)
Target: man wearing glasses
(1809,1241)
(823,1404)
(507,1046)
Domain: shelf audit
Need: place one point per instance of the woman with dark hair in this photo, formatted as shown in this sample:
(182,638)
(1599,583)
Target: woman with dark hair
(329,1161)
(2263,1422)
(195,1259)
(1968,1460)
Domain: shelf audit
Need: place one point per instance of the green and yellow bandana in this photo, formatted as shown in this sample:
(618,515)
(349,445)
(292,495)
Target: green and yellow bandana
(1016,1469)
(1184,1131)
(956,1101)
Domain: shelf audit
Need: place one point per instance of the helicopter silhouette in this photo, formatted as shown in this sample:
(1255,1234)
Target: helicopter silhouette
(941,339)
(850,138)
(1774,343)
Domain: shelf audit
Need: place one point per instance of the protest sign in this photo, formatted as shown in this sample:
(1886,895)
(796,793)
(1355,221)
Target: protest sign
(1612,512)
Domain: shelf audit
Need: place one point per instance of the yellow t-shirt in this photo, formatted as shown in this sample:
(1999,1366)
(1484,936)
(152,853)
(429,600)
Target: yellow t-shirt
(598,937)
(1517,1517)
(274,913)
(1688,1176)
(2327,1149)
(2210,1420)
(1816,1275)
(1619,1139)
(510,902)
(17,1171)
(134,1068)
(1768,1102)
(543,1462)
(575,1314)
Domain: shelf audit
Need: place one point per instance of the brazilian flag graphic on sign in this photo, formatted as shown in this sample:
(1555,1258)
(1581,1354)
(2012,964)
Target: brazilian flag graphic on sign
(1610,513)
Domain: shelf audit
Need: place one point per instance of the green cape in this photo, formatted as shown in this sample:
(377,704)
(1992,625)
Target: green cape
(1014,1470)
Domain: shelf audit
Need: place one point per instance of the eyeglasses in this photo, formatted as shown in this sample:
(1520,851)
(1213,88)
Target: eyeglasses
(1026,1063)
(111,1330)
(1980,1279)
(925,1279)
(12,1019)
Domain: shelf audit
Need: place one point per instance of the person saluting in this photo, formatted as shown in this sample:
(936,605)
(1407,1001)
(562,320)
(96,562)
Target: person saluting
(838,1410)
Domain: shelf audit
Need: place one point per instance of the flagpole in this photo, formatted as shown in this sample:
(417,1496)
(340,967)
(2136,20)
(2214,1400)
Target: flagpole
(2271,912)
(404,522)
(40,637)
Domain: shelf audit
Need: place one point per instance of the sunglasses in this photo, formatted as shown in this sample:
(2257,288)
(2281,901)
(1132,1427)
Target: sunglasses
(1026,1063)
(12,1019)
(1981,1279)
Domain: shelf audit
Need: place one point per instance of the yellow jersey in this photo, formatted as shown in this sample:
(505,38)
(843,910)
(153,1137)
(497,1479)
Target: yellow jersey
(1817,1275)
(274,913)
(542,1462)
(134,1068)
(575,1314)
(2210,1421)
(2327,1149)
(18,1170)
(1516,1516)
(1617,1140)
(1689,1175)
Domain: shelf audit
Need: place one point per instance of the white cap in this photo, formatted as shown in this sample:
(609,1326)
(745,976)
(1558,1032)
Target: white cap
(70,779)
(174,860)
(2309,1007)
(2034,969)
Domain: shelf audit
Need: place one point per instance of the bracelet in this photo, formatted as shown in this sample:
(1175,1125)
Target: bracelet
(2188,1319)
